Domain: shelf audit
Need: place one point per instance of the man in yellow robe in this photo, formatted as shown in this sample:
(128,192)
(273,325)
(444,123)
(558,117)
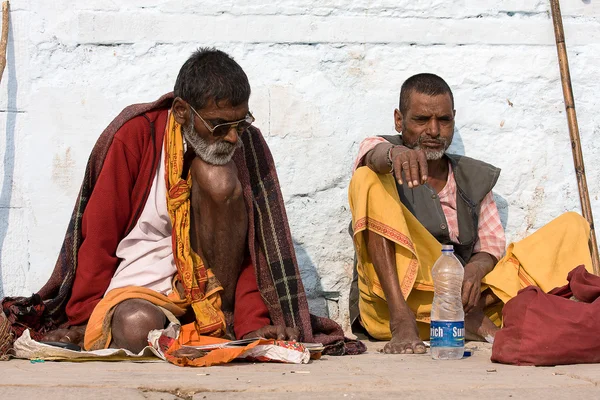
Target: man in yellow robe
(408,197)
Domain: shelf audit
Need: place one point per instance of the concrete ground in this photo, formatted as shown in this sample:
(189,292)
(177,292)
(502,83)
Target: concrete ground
(368,376)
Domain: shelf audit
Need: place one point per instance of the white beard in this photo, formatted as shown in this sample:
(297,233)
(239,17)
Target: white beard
(433,154)
(218,153)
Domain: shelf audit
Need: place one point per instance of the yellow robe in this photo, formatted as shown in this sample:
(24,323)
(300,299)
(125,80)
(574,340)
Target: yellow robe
(543,259)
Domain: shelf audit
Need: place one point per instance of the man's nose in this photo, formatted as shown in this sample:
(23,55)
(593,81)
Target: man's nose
(433,127)
(232,135)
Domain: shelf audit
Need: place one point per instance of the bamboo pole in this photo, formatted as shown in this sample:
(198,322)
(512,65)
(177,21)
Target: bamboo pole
(565,76)
(4,37)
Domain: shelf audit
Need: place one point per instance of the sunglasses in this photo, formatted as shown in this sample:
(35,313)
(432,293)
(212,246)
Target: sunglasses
(223,129)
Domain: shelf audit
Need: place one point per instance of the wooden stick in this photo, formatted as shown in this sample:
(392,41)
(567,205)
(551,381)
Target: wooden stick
(4,37)
(565,76)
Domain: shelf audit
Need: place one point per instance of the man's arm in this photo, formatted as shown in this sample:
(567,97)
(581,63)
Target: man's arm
(404,161)
(488,249)
(104,223)
(476,269)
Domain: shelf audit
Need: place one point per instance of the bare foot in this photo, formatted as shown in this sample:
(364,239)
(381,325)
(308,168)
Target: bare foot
(74,335)
(479,326)
(405,341)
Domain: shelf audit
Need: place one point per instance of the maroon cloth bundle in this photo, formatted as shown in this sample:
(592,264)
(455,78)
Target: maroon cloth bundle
(560,327)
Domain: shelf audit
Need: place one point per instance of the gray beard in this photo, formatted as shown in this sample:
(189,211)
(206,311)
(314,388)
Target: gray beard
(432,154)
(218,153)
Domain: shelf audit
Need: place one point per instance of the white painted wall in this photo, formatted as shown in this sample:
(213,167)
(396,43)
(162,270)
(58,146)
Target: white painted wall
(325,74)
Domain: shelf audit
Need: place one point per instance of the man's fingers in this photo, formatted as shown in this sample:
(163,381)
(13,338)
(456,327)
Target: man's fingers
(422,159)
(55,336)
(474,298)
(273,332)
(398,167)
(264,332)
(411,166)
(280,332)
(51,337)
(292,334)
(415,179)
(466,292)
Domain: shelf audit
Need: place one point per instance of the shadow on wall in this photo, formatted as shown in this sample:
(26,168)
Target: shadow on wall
(458,147)
(317,298)
(9,148)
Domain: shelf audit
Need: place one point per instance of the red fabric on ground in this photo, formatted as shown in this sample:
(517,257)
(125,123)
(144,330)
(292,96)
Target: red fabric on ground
(250,312)
(550,328)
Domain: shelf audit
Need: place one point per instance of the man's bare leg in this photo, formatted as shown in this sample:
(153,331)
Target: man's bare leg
(477,325)
(403,325)
(219,223)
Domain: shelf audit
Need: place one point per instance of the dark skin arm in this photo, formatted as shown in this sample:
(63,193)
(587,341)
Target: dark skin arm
(476,269)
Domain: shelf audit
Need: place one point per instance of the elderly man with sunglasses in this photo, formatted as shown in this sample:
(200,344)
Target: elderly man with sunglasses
(183,223)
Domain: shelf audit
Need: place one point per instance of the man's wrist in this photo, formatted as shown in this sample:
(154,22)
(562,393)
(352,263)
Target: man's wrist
(389,159)
(482,266)
(477,268)
(392,152)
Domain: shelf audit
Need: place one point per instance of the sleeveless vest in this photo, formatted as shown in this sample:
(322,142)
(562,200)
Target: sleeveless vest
(474,180)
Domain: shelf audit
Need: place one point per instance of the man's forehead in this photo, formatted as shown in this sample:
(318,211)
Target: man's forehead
(224,108)
(421,102)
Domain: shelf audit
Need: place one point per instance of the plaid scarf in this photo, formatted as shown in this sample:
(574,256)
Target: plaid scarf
(269,238)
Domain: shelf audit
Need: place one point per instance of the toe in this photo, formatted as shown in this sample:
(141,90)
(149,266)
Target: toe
(420,349)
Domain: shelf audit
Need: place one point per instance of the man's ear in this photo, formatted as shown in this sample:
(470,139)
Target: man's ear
(398,120)
(181,111)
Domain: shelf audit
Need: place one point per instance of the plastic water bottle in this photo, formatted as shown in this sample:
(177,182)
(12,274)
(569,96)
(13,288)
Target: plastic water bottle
(447,315)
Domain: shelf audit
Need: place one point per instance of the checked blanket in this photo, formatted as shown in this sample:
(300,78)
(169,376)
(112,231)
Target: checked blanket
(271,249)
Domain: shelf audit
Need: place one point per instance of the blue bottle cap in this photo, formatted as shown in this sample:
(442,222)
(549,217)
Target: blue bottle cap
(447,247)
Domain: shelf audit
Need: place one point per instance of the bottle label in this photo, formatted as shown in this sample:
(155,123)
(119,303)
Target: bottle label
(447,333)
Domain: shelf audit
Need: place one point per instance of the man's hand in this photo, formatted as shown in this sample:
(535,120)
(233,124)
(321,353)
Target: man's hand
(189,353)
(471,287)
(275,332)
(74,335)
(412,162)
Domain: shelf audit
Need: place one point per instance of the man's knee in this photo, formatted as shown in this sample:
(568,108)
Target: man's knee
(360,177)
(219,182)
(365,183)
(575,220)
(570,223)
(133,320)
